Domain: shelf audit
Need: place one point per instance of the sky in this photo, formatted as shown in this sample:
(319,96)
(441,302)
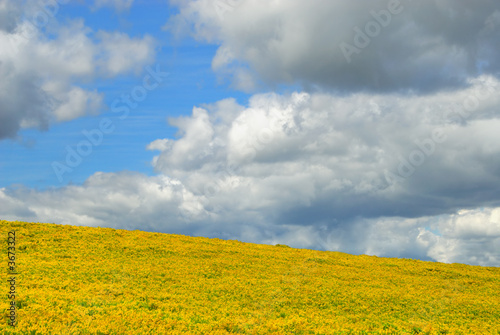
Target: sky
(353,126)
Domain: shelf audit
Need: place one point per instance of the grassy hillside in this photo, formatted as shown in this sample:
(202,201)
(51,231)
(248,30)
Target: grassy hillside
(80,280)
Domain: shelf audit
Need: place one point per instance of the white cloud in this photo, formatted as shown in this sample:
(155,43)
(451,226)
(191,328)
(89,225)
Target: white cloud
(50,89)
(121,54)
(72,104)
(159,145)
(435,238)
(123,200)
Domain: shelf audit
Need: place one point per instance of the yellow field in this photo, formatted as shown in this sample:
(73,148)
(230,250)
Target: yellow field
(80,280)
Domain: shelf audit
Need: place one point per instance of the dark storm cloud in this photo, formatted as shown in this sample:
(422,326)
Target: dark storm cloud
(382,45)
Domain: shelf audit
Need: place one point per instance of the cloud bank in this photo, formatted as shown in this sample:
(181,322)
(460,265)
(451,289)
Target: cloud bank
(380,46)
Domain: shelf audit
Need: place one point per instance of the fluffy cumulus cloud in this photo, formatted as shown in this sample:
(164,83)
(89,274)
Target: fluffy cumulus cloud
(37,93)
(386,45)
(468,236)
(363,154)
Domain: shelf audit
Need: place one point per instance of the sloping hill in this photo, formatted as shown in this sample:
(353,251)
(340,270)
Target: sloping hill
(81,280)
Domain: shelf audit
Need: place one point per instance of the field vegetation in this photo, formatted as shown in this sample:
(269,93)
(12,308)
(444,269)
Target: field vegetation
(82,280)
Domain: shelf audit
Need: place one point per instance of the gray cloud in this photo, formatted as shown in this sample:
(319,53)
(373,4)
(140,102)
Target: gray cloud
(419,46)
(9,11)
(14,109)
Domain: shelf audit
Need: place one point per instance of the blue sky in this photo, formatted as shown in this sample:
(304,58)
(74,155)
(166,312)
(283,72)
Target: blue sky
(368,128)
(190,82)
